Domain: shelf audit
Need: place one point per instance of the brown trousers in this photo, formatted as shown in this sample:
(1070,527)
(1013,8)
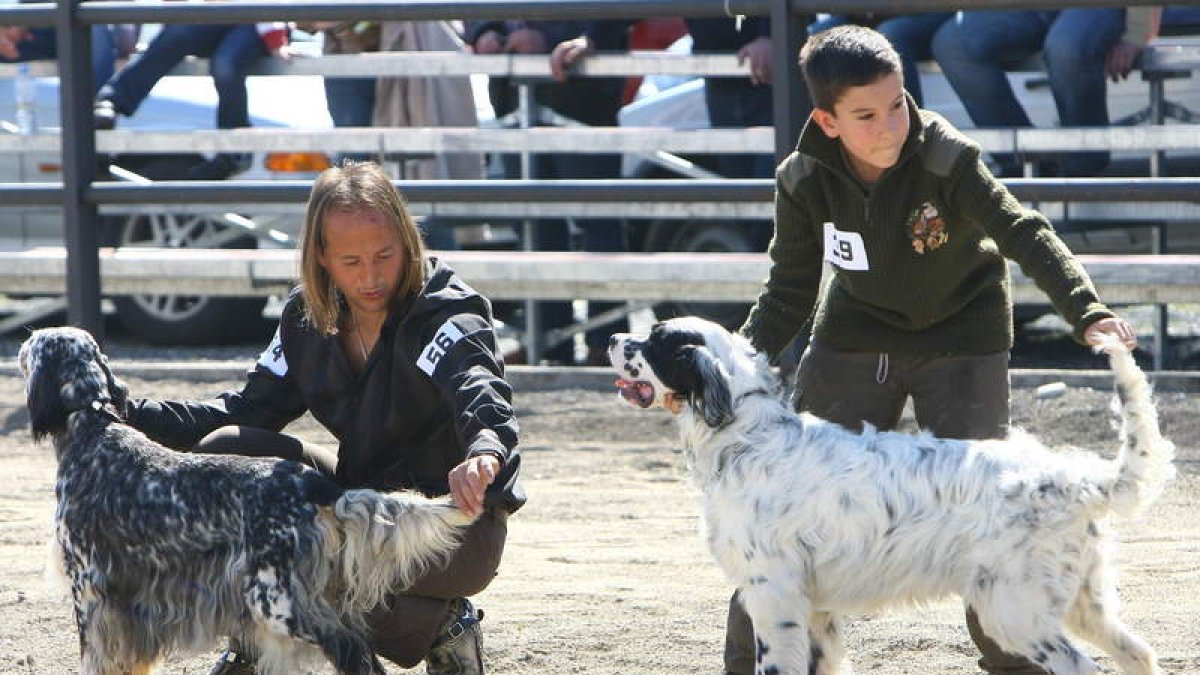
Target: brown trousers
(406,625)
(952,396)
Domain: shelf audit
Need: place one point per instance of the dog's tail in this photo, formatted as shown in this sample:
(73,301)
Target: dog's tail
(391,539)
(1144,463)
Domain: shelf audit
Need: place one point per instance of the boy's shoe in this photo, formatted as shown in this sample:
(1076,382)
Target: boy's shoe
(232,663)
(459,649)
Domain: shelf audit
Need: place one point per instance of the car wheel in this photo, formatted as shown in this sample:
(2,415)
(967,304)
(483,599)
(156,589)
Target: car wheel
(186,319)
(714,237)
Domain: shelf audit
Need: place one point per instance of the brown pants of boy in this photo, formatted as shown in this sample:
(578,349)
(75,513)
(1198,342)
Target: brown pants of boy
(953,397)
(405,626)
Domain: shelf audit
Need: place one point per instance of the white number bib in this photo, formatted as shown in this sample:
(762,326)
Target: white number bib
(272,357)
(442,341)
(845,249)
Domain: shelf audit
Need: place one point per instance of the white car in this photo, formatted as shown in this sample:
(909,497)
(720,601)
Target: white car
(175,103)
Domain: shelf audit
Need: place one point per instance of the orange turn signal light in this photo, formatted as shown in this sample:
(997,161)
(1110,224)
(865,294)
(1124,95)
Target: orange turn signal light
(297,162)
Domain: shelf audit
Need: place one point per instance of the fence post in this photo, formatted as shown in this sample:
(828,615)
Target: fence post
(81,220)
(791,104)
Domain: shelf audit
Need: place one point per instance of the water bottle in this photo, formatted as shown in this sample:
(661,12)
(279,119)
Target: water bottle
(26,95)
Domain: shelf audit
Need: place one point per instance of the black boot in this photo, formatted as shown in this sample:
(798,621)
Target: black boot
(459,648)
(232,663)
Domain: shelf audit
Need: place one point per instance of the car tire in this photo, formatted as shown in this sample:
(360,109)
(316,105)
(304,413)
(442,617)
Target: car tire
(185,319)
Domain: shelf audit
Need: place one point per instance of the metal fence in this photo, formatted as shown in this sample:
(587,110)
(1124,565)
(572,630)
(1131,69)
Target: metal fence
(80,195)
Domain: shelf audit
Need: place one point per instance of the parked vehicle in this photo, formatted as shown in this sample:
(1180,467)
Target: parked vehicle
(176,103)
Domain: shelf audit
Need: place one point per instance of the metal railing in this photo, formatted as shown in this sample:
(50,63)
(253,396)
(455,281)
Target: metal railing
(81,196)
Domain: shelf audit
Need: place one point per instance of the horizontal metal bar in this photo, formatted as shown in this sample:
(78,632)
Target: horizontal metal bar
(745,190)
(31,194)
(416,142)
(907,6)
(1125,213)
(1129,279)
(42,14)
(601,140)
(435,64)
(28,14)
(1186,190)
(410,10)
(253,192)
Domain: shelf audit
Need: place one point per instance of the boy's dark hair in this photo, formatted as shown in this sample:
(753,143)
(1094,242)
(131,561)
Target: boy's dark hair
(846,56)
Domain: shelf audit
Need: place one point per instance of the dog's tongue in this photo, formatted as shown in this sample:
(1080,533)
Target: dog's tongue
(636,392)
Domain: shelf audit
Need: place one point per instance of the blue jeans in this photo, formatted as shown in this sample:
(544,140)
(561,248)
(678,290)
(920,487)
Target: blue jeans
(351,103)
(230,49)
(738,103)
(910,34)
(974,48)
(1177,17)
(42,47)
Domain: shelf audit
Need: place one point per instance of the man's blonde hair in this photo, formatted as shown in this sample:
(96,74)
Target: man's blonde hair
(352,188)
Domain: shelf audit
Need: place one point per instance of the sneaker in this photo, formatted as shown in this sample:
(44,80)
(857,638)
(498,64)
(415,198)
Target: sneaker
(459,650)
(232,663)
(104,114)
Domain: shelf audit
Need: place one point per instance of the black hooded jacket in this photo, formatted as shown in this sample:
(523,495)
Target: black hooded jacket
(432,393)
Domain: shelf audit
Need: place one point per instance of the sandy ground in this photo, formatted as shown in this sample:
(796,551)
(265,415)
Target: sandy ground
(605,572)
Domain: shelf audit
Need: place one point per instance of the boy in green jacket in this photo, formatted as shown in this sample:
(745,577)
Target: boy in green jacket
(916,231)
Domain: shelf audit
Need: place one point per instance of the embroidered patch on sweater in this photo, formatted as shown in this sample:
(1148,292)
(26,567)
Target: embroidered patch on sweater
(927,228)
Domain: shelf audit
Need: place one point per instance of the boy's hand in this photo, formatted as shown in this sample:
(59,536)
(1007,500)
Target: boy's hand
(758,53)
(1116,327)
(469,481)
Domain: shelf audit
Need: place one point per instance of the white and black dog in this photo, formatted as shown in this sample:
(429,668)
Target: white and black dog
(811,521)
(165,552)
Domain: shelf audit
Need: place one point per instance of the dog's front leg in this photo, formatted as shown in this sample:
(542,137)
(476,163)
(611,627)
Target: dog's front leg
(779,611)
(825,632)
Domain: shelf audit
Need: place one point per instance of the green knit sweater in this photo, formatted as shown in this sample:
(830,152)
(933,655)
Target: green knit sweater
(918,260)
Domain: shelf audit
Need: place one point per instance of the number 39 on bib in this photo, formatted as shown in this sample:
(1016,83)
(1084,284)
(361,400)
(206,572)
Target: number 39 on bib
(845,249)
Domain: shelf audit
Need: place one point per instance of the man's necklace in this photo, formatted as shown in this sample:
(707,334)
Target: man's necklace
(358,333)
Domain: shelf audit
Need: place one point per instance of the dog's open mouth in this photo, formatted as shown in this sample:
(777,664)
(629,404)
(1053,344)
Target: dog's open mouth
(637,392)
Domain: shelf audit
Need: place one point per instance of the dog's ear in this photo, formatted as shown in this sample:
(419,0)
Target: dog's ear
(118,393)
(705,385)
(43,397)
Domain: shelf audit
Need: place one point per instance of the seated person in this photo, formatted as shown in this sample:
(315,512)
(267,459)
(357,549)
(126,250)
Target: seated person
(1080,47)
(910,34)
(19,44)
(231,50)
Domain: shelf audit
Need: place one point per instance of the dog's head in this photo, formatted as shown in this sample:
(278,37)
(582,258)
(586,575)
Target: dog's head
(688,361)
(64,372)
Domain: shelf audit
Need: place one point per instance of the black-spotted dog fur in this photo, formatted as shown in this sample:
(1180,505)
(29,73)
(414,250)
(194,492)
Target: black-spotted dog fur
(812,521)
(164,552)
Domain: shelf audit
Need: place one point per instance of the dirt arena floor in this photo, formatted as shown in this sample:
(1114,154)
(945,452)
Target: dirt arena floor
(604,571)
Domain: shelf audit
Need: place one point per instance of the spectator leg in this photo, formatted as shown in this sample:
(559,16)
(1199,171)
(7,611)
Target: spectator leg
(351,103)
(912,36)
(129,87)
(1075,49)
(973,49)
(104,55)
(239,48)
